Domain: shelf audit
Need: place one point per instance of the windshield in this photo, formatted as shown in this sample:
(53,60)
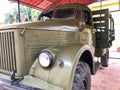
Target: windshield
(64,13)
(45,16)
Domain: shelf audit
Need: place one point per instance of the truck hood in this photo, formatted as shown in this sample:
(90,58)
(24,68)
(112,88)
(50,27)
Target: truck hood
(63,25)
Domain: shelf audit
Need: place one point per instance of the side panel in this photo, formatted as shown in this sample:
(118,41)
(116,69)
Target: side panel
(101,24)
(104,25)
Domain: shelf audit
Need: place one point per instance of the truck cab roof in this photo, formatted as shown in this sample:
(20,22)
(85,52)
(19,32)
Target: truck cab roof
(50,13)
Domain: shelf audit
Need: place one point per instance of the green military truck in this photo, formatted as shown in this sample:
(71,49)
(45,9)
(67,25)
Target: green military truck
(58,51)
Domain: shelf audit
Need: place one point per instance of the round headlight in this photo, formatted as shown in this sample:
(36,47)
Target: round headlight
(45,59)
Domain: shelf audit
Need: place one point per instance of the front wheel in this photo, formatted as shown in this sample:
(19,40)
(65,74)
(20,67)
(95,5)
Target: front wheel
(82,78)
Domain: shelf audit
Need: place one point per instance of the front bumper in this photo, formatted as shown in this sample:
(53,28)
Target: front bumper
(28,83)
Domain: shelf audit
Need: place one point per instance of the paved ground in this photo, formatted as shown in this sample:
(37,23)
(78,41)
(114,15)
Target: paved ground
(107,78)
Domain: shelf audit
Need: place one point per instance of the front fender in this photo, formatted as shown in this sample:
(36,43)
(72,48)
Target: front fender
(63,75)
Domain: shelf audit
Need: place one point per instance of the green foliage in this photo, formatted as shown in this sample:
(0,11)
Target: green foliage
(9,18)
(34,14)
(25,12)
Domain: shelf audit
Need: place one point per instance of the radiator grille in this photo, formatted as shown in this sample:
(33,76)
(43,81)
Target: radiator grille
(7,52)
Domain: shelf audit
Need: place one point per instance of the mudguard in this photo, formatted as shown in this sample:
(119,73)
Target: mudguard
(61,75)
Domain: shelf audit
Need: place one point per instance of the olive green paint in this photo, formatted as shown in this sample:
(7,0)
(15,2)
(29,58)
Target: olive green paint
(66,39)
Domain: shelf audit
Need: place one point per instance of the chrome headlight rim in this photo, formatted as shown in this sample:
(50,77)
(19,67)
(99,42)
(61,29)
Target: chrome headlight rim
(48,55)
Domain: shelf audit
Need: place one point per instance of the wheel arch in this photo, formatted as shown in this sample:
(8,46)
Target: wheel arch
(87,57)
(85,53)
(63,75)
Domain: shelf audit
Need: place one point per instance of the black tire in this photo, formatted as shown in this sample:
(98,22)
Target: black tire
(82,78)
(105,59)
